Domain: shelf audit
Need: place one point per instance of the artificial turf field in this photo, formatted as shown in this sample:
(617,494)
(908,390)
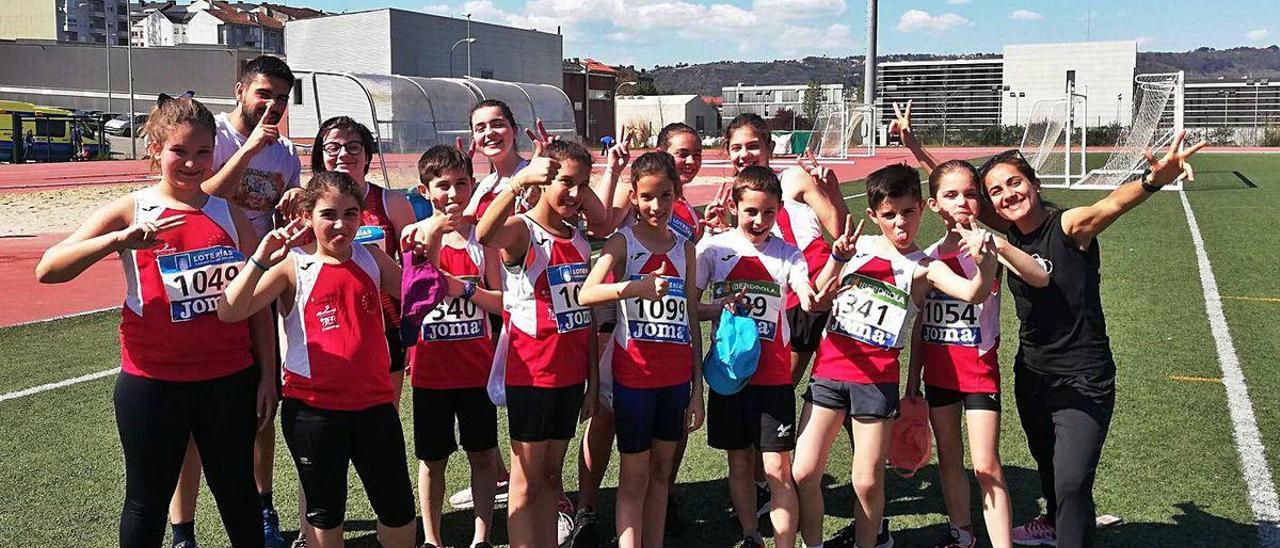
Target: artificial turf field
(1169,468)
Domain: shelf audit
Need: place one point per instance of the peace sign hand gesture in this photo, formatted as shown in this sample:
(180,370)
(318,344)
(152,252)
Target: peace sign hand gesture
(540,139)
(468,149)
(823,175)
(276,244)
(902,120)
(975,242)
(620,154)
(1174,162)
(146,234)
(654,285)
(846,246)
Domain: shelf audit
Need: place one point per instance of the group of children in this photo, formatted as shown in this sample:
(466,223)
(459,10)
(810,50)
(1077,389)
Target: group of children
(495,300)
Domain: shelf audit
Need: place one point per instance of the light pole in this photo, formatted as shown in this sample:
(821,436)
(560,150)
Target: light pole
(1119,97)
(133,121)
(619,88)
(1226,97)
(1257,85)
(470,40)
(467,41)
(1017,106)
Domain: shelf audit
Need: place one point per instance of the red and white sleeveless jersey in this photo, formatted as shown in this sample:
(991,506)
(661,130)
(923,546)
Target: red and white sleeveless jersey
(335,353)
(799,226)
(488,189)
(684,220)
(169,328)
(651,344)
(455,349)
(959,339)
(728,263)
(549,330)
(377,229)
(870,323)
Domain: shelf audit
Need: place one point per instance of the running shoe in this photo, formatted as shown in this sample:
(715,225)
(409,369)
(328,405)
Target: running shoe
(300,542)
(584,530)
(763,500)
(847,537)
(750,541)
(564,520)
(953,540)
(271,537)
(462,500)
(481,545)
(1037,532)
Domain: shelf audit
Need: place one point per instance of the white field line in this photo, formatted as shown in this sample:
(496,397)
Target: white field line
(1253,458)
(852,196)
(59,384)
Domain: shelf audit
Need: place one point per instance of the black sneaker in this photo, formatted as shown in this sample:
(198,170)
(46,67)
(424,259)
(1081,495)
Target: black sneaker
(674,523)
(584,530)
(952,539)
(847,537)
(750,541)
(481,545)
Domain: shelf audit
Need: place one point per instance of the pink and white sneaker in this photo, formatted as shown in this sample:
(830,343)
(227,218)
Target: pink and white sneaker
(1037,532)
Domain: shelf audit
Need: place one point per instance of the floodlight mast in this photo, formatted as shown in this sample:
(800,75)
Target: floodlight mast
(869,66)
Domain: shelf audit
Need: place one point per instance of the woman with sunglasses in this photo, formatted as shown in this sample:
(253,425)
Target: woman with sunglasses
(1064,372)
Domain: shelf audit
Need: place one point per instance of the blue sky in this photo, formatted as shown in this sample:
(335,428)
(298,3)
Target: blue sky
(651,32)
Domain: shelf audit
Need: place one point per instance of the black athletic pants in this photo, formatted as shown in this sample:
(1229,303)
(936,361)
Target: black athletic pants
(1065,431)
(155,420)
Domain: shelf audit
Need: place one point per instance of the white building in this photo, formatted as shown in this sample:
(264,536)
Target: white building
(767,101)
(956,94)
(656,111)
(85,21)
(1103,72)
(161,24)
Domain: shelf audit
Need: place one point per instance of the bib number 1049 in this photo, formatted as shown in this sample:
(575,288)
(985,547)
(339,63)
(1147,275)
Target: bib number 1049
(193,280)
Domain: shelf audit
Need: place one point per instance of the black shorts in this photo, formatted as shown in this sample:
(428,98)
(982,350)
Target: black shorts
(397,350)
(806,329)
(436,411)
(973,401)
(642,415)
(324,441)
(857,400)
(759,416)
(540,414)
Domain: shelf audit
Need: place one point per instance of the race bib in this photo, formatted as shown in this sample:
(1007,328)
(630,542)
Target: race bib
(873,312)
(664,320)
(764,302)
(193,280)
(681,227)
(369,234)
(945,320)
(565,281)
(455,319)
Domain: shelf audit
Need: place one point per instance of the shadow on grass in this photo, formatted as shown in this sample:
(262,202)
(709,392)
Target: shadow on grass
(708,521)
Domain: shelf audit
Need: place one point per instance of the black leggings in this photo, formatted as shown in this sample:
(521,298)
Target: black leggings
(155,420)
(1065,431)
(324,441)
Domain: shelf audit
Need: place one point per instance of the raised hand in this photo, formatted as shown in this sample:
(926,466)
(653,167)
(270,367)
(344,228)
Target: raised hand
(145,234)
(540,171)
(846,245)
(468,150)
(821,174)
(288,202)
(901,124)
(654,285)
(265,133)
(975,242)
(276,244)
(541,138)
(620,154)
(736,303)
(1174,162)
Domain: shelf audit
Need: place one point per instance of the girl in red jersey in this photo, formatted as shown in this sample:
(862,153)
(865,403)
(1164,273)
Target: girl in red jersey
(339,404)
(956,345)
(656,348)
(451,362)
(545,330)
(756,426)
(346,146)
(184,374)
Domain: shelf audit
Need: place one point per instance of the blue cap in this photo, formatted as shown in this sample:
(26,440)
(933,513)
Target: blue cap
(734,355)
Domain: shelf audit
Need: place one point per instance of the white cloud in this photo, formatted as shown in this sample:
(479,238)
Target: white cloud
(1025,15)
(798,9)
(919,20)
(799,40)
(1258,35)
(959,2)
(438,9)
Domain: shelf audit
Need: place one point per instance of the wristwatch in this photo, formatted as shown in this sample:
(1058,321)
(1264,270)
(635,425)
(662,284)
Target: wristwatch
(1146,185)
(468,289)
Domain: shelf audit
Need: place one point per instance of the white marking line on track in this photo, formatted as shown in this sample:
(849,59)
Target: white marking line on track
(59,384)
(1253,458)
(852,196)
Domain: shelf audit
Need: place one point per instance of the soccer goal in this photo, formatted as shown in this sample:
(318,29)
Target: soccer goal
(1055,143)
(843,132)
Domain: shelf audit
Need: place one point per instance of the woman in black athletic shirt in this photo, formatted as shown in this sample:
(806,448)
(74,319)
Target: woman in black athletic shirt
(1064,374)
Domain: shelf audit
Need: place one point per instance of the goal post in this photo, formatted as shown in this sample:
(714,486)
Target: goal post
(1160,100)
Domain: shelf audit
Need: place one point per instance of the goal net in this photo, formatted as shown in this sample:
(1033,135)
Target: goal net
(1045,141)
(843,132)
(1155,121)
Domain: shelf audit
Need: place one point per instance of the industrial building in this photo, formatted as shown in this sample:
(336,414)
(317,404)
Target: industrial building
(768,100)
(955,94)
(1246,103)
(408,43)
(86,21)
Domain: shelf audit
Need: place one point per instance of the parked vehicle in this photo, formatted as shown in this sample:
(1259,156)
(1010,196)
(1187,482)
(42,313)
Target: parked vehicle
(48,134)
(123,125)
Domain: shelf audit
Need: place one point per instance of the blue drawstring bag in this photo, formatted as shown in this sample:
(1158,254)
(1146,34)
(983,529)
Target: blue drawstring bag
(734,354)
